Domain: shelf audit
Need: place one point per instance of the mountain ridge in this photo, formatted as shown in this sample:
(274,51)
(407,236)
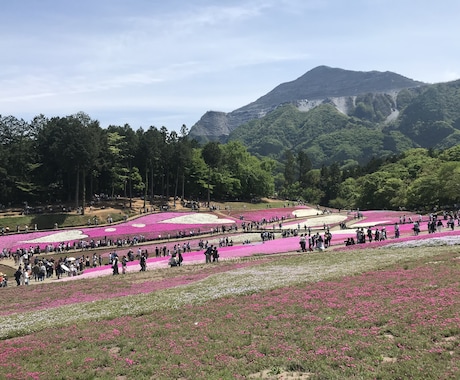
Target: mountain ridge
(322,84)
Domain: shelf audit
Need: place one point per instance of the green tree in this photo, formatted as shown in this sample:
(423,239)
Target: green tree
(248,177)
(423,192)
(289,168)
(448,180)
(304,164)
(212,155)
(313,193)
(348,194)
(380,190)
(19,161)
(69,150)
(124,146)
(330,180)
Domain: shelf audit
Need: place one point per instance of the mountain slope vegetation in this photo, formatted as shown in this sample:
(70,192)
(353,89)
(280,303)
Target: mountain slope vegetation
(355,93)
(430,118)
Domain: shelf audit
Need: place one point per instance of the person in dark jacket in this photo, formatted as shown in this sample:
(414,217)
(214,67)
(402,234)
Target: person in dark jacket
(18,275)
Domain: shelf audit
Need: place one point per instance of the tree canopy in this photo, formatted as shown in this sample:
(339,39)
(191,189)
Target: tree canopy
(70,159)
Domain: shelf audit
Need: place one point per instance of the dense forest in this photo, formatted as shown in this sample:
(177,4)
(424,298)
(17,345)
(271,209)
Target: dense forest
(71,159)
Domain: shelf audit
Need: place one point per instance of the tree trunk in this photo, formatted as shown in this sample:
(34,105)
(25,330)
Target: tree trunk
(183,186)
(167,187)
(209,191)
(151,184)
(68,186)
(145,187)
(163,188)
(176,185)
(130,187)
(83,200)
(77,185)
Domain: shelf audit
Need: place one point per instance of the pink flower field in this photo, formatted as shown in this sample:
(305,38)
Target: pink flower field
(339,313)
(267,214)
(152,226)
(160,226)
(164,224)
(197,256)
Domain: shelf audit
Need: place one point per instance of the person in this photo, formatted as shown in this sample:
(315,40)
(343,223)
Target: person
(215,255)
(180,258)
(320,243)
(208,253)
(350,241)
(143,262)
(58,269)
(172,261)
(3,280)
(115,264)
(26,276)
(124,263)
(130,255)
(303,243)
(18,275)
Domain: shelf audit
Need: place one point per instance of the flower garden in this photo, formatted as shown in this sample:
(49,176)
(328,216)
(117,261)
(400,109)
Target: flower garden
(388,310)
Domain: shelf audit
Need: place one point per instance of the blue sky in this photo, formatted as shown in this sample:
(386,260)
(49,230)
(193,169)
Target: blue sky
(165,63)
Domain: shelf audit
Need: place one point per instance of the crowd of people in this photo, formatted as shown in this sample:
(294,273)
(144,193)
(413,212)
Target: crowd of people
(32,267)
(315,241)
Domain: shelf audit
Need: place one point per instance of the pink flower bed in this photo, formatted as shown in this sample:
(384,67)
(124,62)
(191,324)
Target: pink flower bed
(379,219)
(84,292)
(386,217)
(279,245)
(162,224)
(152,226)
(270,247)
(266,214)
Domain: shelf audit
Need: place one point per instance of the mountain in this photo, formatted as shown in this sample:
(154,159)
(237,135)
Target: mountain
(376,125)
(321,85)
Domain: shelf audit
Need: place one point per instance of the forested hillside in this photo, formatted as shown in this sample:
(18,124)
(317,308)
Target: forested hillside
(419,179)
(429,117)
(368,95)
(432,119)
(324,133)
(70,159)
(372,157)
(67,160)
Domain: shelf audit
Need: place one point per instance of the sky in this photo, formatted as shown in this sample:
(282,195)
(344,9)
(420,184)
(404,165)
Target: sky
(166,63)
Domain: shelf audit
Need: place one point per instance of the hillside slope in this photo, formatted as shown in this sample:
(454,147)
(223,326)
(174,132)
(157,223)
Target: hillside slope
(320,85)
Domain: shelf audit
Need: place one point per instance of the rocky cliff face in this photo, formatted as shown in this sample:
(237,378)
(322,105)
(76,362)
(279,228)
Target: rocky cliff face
(318,86)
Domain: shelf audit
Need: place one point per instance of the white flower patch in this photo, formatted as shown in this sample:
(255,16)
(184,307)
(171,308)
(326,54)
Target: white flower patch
(429,242)
(197,219)
(138,225)
(59,237)
(110,229)
(371,224)
(315,222)
(346,231)
(305,212)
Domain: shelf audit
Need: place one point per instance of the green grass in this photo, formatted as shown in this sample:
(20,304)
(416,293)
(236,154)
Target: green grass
(47,221)
(246,206)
